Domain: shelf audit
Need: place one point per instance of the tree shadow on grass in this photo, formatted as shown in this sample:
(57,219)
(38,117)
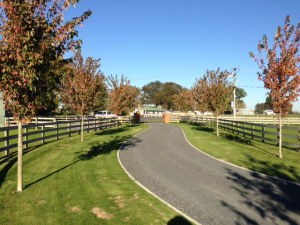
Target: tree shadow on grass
(101,148)
(236,138)
(115,130)
(179,220)
(12,158)
(96,149)
(273,169)
(28,185)
(204,128)
(274,201)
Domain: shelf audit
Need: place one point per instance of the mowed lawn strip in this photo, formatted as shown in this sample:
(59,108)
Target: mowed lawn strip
(244,152)
(73,182)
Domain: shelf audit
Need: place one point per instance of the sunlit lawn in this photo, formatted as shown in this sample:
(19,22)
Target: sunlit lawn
(245,152)
(73,182)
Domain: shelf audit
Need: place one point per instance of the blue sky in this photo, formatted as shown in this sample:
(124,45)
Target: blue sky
(177,40)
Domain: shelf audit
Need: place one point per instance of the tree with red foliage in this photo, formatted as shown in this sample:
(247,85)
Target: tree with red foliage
(218,92)
(33,38)
(123,96)
(199,92)
(280,70)
(81,85)
(185,101)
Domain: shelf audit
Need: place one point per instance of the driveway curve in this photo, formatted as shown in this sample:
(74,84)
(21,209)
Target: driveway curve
(206,189)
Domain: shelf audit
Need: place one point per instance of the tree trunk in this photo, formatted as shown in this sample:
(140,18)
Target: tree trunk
(217,126)
(186,117)
(280,138)
(20,157)
(82,128)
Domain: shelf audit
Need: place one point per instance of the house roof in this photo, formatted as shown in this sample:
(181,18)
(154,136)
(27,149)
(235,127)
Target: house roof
(153,109)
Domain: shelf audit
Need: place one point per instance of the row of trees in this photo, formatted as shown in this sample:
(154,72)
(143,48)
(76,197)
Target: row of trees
(33,72)
(162,94)
(212,93)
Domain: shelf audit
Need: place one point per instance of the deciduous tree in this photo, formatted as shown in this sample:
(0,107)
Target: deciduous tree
(166,94)
(82,85)
(123,96)
(240,93)
(184,100)
(200,94)
(149,92)
(280,67)
(33,37)
(218,92)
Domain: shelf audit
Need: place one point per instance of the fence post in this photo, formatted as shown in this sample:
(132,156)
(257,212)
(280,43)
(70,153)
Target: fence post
(299,137)
(95,124)
(69,129)
(79,130)
(88,126)
(56,129)
(43,134)
(26,136)
(274,121)
(238,128)
(252,131)
(263,133)
(244,130)
(36,122)
(54,122)
(288,121)
(6,134)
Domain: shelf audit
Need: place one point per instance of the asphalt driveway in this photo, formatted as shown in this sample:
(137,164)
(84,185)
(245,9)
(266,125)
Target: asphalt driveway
(207,190)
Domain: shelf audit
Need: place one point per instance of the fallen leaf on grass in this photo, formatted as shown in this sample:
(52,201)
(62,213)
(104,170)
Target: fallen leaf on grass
(41,202)
(117,181)
(127,218)
(101,214)
(75,209)
(135,197)
(121,205)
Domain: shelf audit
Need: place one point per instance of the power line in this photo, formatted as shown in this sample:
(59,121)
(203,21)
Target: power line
(251,87)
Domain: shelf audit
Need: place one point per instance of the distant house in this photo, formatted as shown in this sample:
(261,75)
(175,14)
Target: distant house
(156,111)
(245,112)
(268,112)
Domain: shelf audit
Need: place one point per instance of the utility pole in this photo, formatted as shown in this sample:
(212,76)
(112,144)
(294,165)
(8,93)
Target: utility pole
(234,81)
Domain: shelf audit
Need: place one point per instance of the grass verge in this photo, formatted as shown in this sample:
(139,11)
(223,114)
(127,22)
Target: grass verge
(73,182)
(245,152)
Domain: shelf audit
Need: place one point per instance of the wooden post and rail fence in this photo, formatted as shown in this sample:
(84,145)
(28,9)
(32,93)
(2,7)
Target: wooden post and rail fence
(266,131)
(42,129)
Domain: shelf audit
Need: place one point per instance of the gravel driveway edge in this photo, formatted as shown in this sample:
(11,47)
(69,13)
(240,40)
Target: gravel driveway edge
(146,189)
(252,171)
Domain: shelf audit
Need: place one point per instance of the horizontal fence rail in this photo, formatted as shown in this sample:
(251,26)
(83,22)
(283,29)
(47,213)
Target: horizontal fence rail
(40,132)
(262,120)
(254,130)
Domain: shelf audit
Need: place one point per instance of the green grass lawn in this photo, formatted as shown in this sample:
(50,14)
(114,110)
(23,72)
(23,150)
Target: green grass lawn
(73,182)
(245,152)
